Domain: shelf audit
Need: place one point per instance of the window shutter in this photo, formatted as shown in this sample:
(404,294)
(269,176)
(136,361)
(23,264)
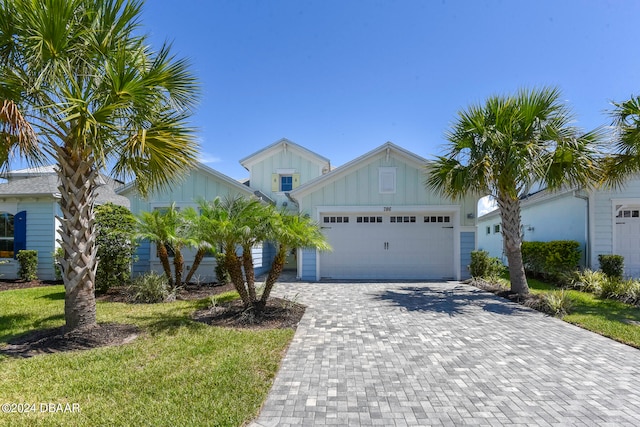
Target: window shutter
(275,184)
(296,180)
(19,232)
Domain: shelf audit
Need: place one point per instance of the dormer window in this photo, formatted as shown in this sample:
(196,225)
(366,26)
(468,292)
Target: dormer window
(286,182)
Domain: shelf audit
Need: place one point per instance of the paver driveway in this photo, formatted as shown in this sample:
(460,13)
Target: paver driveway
(444,354)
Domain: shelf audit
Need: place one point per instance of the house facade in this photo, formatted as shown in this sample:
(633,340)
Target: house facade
(28,208)
(603,221)
(202,183)
(375,212)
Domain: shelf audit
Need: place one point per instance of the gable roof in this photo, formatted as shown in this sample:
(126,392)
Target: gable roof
(282,144)
(386,148)
(47,186)
(207,170)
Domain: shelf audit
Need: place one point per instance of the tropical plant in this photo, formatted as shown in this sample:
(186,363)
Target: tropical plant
(625,158)
(115,228)
(150,288)
(237,222)
(290,231)
(81,76)
(507,145)
(197,228)
(167,228)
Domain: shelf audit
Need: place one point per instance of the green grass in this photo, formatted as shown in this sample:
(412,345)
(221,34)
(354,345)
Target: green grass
(603,316)
(178,373)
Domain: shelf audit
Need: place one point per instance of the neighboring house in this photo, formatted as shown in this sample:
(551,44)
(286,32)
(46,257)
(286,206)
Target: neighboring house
(375,211)
(28,209)
(202,183)
(603,221)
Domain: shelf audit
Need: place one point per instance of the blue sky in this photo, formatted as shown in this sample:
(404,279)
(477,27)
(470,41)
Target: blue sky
(342,77)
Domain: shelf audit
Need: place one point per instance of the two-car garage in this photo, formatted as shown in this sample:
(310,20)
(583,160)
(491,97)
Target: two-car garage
(388,245)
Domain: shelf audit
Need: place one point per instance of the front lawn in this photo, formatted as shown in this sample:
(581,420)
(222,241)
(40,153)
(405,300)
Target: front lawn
(610,318)
(177,373)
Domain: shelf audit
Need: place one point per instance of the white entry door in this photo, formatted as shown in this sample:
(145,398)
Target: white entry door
(628,239)
(399,246)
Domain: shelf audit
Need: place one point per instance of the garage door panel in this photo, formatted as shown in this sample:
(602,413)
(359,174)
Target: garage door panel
(628,239)
(407,248)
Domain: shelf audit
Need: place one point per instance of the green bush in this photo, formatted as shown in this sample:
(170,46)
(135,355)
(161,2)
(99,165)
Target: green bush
(116,246)
(57,255)
(150,288)
(482,265)
(589,281)
(28,264)
(550,259)
(612,265)
(557,304)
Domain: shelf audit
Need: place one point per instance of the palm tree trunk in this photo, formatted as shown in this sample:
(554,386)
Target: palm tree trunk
(196,263)
(249,273)
(512,240)
(178,266)
(77,176)
(164,260)
(276,269)
(234,266)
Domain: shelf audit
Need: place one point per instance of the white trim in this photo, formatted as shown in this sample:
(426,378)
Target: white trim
(624,203)
(288,171)
(252,159)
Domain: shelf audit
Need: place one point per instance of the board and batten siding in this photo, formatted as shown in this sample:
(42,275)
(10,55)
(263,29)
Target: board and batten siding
(467,245)
(308,271)
(41,233)
(361,188)
(602,202)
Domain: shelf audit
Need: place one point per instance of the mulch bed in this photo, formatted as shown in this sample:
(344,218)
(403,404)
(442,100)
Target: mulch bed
(278,313)
(529,300)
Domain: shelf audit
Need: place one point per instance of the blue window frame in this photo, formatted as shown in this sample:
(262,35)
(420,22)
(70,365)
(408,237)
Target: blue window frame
(286,183)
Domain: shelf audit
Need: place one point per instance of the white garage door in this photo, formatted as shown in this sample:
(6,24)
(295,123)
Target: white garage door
(628,240)
(398,246)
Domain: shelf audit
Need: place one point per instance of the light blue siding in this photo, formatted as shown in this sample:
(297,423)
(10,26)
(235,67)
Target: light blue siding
(308,265)
(263,257)
(559,217)
(143,253)
(41,234)
(467,244)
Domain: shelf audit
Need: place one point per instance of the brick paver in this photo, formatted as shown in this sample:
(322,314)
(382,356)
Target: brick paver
(444,354)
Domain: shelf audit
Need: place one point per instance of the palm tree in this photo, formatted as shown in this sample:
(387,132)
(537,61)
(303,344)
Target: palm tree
(93,91)
(237,222)
(290,231)
(168,229)
(503,147)
(197,228)
(625,159)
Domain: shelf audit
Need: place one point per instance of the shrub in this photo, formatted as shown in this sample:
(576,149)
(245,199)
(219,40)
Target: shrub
(482,265)
(558,303)
(115,227)
(150,288)
(550,259)
(612,265)
(589,281)
(222,275)
(28,264)
(611,288)
(57,255)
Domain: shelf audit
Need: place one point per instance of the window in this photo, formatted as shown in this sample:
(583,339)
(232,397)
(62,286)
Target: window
(335,219)
(369,219)
(496,228)
(488,229)
(444,218)
(387,180)
(286,182)
(6,235)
